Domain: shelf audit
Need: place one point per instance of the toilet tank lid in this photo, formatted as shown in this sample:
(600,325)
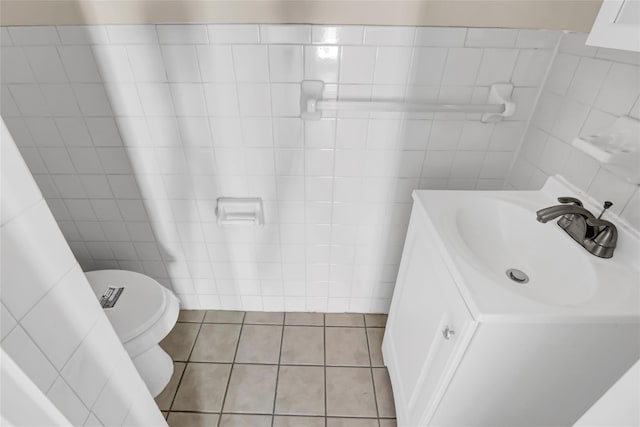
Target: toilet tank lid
(141,304)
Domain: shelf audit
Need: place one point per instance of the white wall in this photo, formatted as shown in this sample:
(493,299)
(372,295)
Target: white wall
(52,325)
(132,132)
(587,89)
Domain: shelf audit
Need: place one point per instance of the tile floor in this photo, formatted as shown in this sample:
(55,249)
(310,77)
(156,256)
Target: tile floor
(277,370)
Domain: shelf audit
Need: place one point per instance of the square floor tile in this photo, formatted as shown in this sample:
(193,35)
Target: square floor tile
(300,390)
(384,394)
(223,316)
(352,422)
(375,336)
(194,316)
(259,344)
(285,421)
(344,319)
(251,389)
(164,399)
(264,318)
(191,419)
(202,387)
(216,343)
(350,393)
(347,347)
(375,320)
(229,420)
(302,345)
(304,319)
(180,340)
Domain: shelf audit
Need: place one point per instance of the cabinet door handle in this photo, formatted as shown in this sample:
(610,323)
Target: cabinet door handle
(447,333)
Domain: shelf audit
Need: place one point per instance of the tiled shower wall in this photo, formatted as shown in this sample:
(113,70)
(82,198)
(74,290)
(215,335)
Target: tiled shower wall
(132,132)
(587,89)
(51,324)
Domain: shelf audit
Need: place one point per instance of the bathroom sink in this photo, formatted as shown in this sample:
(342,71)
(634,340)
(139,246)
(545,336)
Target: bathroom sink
(499,236)
(505,262)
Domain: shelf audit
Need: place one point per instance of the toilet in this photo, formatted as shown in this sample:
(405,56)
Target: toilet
(142,312)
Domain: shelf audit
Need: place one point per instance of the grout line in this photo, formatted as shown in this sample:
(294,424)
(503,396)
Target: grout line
(350,417)
(373,382)
(536,101)
(333,186)
(226,390)
(195,412)
(186,365)
(275,364)
(217,323)
(275,394)
(210,148)
(274,181)
(167,83)
(324,364)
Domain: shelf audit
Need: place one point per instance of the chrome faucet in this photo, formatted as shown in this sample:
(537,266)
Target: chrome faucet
(598,236)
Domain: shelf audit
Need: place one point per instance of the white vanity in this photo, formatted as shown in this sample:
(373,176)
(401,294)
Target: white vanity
(467,345)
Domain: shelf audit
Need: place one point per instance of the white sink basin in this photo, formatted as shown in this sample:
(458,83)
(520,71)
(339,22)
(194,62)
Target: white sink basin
(482,234)
(500,235)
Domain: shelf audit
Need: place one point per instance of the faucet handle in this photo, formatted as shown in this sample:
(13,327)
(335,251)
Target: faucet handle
(597,222)
(607,235)
(570,200)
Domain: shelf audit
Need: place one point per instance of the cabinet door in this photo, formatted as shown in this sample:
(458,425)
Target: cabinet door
(425,304)
(617,25)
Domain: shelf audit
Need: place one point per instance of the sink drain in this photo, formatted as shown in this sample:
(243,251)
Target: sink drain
(517,276)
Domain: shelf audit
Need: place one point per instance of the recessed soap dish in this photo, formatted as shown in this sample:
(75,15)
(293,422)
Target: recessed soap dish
(617,148)
(240,211)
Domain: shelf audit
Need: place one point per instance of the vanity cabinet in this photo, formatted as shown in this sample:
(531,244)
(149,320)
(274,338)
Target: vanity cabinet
(428,327)
(451,366)
(617,26)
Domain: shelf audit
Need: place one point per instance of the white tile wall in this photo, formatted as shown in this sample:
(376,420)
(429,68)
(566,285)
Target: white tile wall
(133,131)
(586,90)
(52,325)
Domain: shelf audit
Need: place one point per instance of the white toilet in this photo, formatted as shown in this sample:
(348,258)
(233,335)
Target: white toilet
(144,313)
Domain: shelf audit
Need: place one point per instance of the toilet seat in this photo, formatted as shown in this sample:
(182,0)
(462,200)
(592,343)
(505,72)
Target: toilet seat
(145,312)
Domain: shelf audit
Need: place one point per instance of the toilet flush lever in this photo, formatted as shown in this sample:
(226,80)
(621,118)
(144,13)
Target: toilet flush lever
(110,297)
